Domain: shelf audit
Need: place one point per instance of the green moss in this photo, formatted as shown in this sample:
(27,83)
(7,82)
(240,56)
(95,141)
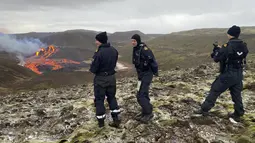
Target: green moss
(201,96)
(43,85)
(251,131)
(244,139)
(248,135)
(82,136)
(249,119)
(156,110)
(85,133)
(167,122)
(87,103)
(169,84)
(39,141)
(229,107)
(191,96)
(157,104)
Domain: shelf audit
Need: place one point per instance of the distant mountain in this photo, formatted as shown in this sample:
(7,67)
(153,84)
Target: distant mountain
(76,44)
(154,35)
(71,38)
(79,44)
(185,48)
(213,31)
(59,37)
(83,31)
(126,36)
(33,35)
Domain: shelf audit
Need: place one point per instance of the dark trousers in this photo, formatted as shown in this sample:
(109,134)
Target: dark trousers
(143,93)
(105,86)
(229,80)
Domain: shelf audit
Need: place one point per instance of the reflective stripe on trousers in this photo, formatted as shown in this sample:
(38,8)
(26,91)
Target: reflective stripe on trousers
(101,117)
(115,111)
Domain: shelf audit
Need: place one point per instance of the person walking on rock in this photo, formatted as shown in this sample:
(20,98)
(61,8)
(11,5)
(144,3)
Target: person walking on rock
(232,57)
(146,66)
(103,66)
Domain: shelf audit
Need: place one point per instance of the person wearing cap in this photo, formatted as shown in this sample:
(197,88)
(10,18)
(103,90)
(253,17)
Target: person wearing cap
(103,66)
(146,66)
(232,55)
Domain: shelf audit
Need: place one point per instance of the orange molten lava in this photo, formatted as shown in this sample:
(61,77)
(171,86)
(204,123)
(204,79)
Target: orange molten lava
(41,58)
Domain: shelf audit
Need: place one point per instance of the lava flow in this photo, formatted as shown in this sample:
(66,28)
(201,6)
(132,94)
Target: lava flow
(41,58)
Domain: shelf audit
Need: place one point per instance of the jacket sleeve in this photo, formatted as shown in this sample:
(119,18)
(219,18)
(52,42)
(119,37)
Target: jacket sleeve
(151,60)
(95,63)
(220,54)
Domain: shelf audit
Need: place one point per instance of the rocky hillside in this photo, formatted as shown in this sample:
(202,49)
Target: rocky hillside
(66,115)
(10,72)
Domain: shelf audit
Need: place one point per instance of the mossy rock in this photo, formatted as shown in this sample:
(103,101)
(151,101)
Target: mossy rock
(249,118)
(167,122)
(248,135)
(244,139)
(251,131)
(157,104)
(82,136)
(81,104)
(250,86)
(38,141)
(229,107)
(202,120)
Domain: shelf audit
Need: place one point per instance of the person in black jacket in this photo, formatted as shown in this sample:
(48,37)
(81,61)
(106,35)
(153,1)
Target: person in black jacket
(146,66)
(103,66)
(232,57)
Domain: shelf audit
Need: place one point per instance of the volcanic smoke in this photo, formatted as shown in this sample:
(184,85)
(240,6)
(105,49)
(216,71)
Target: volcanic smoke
(20,47)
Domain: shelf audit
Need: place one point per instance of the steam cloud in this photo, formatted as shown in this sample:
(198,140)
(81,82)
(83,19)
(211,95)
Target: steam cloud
(20,47)
(25,47)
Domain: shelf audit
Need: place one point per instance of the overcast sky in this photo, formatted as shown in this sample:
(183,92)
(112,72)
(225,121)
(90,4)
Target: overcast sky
(149,16)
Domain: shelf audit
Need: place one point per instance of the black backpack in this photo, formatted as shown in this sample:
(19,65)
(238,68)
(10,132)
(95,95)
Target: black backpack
(237,52)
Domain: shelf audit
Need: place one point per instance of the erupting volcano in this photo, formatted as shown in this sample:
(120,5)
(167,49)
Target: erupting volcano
(41,60)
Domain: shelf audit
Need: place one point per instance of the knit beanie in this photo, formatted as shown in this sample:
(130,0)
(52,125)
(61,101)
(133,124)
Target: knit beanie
(102,37)
(234,31)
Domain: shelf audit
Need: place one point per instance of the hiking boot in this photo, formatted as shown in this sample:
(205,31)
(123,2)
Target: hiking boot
(100,123)
(139,116)
(115,123)
(201,112)
(146,118)
(234,118)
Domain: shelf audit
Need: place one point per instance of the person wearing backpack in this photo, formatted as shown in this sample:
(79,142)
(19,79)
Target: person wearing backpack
(232,57)
(146,66)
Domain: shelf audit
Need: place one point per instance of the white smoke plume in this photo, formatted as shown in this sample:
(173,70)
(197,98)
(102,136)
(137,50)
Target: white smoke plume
(20,47)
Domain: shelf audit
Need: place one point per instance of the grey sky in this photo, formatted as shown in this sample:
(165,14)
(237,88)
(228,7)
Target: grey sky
(149,16)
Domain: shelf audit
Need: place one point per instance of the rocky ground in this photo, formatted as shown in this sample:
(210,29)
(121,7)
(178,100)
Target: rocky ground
(67,115)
